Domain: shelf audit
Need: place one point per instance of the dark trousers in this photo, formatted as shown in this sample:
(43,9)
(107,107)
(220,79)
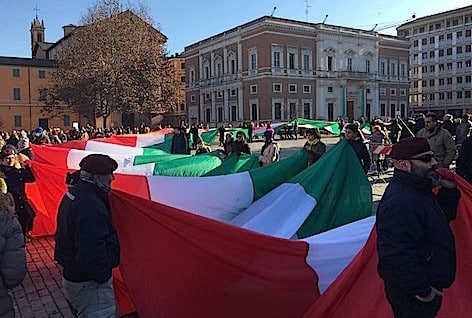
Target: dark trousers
(405,305)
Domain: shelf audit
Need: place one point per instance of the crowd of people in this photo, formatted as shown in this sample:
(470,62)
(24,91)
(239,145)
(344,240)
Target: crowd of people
(415,244)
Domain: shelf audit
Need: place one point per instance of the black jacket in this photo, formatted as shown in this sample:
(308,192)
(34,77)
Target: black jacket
(87,245)
(180,144)
(415,244)
(464,161)
(361,152)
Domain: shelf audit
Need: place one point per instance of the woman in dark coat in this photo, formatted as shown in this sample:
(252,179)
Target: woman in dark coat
(17,173)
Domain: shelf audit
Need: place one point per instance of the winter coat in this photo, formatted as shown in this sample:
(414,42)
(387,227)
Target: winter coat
(12,259)
(87,245)
(315,151)
(241,147)
(462,131)
(16,180)
(269,153)
(180,144)
(415,244)
(361,152)
(464,161)
(441,143)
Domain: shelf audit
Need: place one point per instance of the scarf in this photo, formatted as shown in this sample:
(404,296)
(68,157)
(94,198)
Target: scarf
(104,187)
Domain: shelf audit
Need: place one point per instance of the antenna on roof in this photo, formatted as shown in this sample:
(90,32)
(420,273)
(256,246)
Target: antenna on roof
(273,11)
(324,20)
(307,6)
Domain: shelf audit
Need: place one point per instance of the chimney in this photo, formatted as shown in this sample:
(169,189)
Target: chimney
(68,29)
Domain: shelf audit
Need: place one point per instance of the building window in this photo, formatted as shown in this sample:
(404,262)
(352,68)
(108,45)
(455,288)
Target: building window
(330,89)
(393,92)
(431,82)
(17,121)
(277,88)
(432,68)
(424,55)
(449,95)
(431,54)
(233,66)
(192,77)
(449,36)
(192,98)
(459,50)
(306,110)
(467,94)
(182,79)
(441,96)
(459,79)
(220,94)
(382,109)
(330,63)
(459,64)
(233,92)
(468,78)
(253,61)
(383,91)
(219,69)
(459,34)
(467,48)
(291,61)
(254,112)
(253,89)
(367,66)
(16,94)
(431,40)
(306,62)
(449,80)
(382,68)
(16,72)
(182,107)
(402,91)
(219,114)
(431,96)
(276,60)
(349,64)
(424,41)
(403,69)
(292,88)
(393,71)
(449,51)
(459,94)
(42,74)
(307,88)
(467,33)
(66,120)
(42,94)
(441,81)
(207,96)
(278,111)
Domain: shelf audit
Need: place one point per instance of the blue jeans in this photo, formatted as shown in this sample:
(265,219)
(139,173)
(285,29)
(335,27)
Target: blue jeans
(91,299)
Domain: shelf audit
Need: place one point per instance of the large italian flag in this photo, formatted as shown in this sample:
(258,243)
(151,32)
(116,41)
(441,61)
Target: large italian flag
(171,257)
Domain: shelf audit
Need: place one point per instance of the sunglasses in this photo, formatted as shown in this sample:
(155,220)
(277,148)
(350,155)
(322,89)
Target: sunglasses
(424,158)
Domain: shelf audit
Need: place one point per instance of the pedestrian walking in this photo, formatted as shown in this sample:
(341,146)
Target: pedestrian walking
(87,245)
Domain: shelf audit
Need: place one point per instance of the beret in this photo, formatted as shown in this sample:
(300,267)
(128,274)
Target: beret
(409,147)
(98,164)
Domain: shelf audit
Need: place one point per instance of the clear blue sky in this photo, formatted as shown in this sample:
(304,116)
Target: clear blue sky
(188,21)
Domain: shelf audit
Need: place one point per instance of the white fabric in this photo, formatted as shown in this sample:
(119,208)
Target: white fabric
(146,140)
(125,163)
(220,197)
(109,148)
(331,251)
(279,213)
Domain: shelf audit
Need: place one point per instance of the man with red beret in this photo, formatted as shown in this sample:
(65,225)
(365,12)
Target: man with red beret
(87,245)
(415,245)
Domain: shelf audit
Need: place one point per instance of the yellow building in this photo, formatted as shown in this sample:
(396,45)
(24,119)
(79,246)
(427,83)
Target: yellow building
(23,89)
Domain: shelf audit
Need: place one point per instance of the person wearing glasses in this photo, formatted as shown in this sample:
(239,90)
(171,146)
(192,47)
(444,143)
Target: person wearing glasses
(240,145)
(17,173)
(439,139)
(415,244)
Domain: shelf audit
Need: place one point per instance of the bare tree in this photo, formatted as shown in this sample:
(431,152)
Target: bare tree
(114,62)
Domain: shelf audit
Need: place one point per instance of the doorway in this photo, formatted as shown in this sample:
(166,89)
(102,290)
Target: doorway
(350,110)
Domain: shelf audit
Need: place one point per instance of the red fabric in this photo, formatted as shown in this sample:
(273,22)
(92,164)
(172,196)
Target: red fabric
(46,193)
(73,144)
(51,155)
(177,264)
(123,299)
(359,292)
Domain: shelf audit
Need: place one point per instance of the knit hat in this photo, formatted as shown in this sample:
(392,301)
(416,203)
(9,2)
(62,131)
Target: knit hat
(98,164)
(9,149)
(409,147)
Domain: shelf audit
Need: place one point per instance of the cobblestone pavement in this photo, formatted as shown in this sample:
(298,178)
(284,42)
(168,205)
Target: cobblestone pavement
(40,294)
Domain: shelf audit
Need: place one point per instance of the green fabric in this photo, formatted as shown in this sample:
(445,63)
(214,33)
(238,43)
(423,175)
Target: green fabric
(275,128)
(209,136)
(156,155)
(165,146)
(332,127)
(235,163)
(267,178)
(366,126)
(340,187)
(191,166)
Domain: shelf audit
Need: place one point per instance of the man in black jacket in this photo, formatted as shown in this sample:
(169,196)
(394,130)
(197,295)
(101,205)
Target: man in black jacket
(417,257)
(87,245)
